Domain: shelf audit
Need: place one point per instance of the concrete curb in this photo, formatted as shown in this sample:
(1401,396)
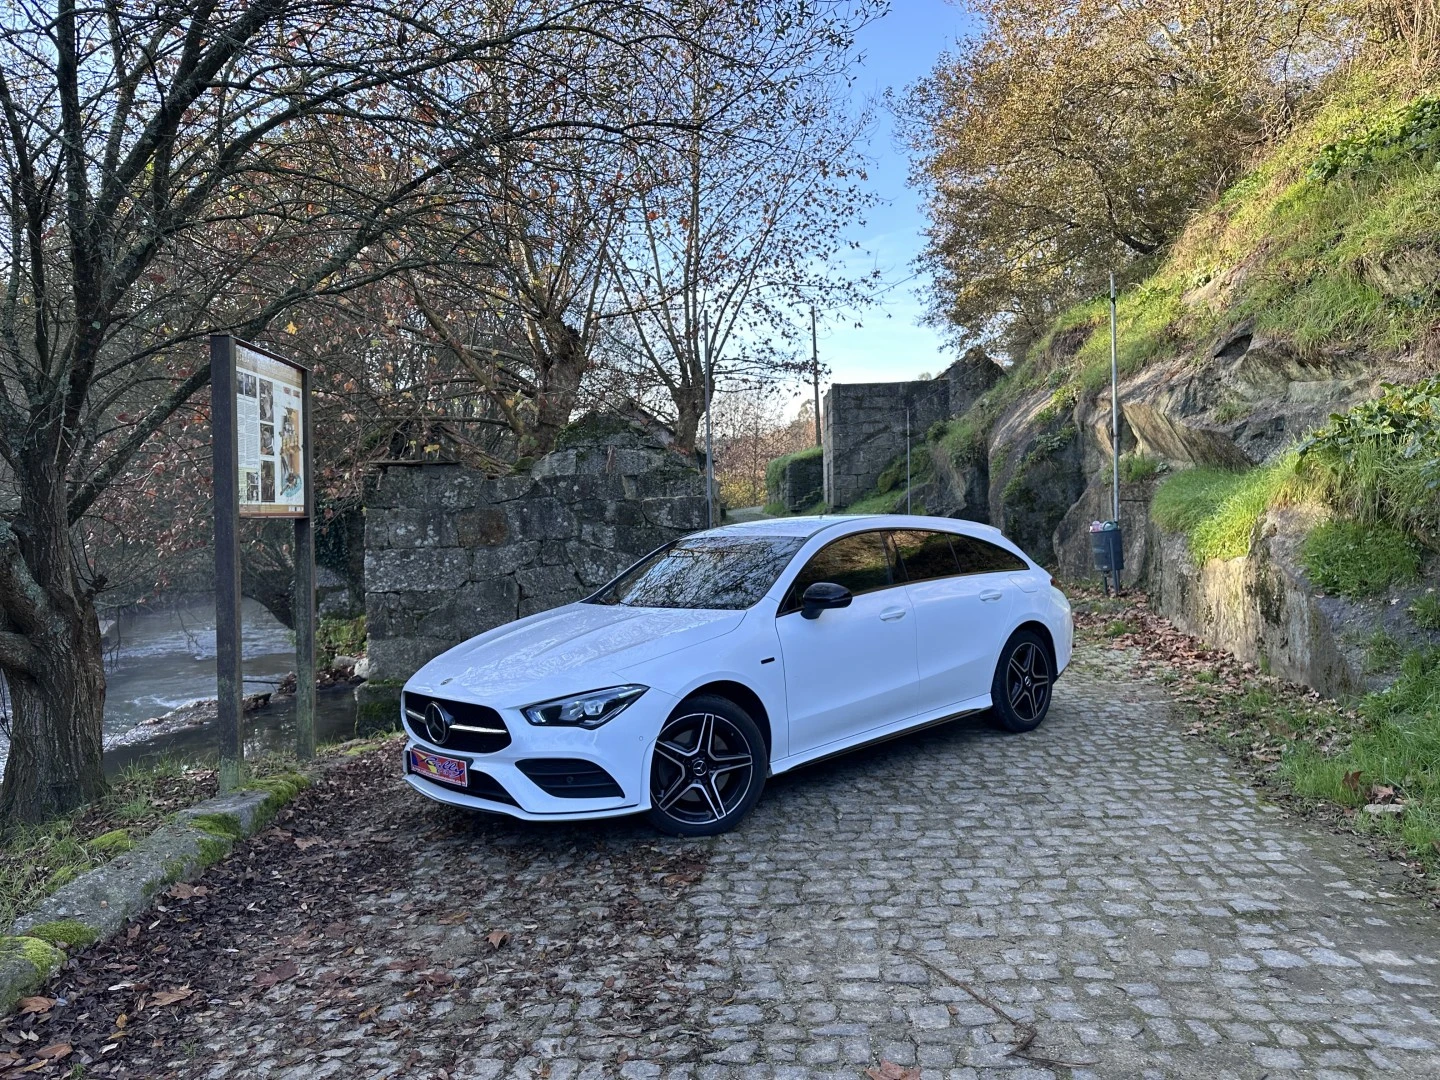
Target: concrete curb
(98,903)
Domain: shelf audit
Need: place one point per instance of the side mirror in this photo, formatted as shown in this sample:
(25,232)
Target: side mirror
(822,596)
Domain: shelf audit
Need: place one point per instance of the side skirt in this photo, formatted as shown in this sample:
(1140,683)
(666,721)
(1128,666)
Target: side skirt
(887,737)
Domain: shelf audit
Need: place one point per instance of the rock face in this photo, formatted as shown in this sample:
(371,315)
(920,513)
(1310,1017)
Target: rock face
(450,552)
(862,434)
(1260,607)
(800,484)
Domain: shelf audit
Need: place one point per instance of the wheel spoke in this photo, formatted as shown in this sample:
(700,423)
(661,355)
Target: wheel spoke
(674,755)
(671,797)
(717,804)
(705,740)
(1016,667)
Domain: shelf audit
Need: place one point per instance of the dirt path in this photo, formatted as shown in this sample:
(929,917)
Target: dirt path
(1102,898)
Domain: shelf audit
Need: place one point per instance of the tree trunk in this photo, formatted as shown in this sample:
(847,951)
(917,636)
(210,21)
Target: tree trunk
(55,763)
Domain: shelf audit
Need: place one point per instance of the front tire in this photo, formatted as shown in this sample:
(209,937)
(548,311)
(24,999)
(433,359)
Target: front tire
(708,768)
(1024,678)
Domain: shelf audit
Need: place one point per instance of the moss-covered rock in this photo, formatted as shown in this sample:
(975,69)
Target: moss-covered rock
(71,933)
(113,842)
(25,964)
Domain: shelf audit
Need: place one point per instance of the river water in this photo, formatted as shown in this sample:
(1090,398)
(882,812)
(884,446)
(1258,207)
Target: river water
(161,659)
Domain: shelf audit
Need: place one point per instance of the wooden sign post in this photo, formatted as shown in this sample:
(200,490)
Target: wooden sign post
(261,432)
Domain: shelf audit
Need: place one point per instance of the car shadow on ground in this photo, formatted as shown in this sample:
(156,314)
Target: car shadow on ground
(846,771)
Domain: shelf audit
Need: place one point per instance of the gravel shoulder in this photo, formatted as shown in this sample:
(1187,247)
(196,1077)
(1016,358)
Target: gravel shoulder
(1101,898)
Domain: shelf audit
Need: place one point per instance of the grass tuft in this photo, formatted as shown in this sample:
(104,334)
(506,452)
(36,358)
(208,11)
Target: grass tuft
(1218,509)
(1356,560)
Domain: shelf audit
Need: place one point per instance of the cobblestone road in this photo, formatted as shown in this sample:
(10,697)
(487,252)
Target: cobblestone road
(1109,886)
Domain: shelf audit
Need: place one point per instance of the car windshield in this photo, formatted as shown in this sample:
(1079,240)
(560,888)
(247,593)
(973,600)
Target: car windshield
(727,572)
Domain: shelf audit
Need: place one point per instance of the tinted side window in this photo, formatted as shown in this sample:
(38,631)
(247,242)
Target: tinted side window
(860,562)
(925,555)
(979,557)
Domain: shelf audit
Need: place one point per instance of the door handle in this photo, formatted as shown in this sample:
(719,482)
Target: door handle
(991,594)
(892,614)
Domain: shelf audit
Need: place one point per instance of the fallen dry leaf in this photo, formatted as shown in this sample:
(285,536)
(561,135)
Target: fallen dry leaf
(888,1070)
(285,971)
(54,1052)
(496,938)
(184,890)
(36,1005)
(170,997)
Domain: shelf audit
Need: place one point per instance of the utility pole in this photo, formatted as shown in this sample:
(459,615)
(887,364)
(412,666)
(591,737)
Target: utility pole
(815,372)
(1114,414)
(709,441)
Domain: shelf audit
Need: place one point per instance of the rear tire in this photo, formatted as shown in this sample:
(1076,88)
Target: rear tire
(1024,679)
(708,768)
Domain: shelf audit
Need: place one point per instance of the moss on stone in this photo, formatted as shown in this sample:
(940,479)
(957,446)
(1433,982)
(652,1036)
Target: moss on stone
(114,842)
(61,877)
(280,788)
(68,932)
(213,849)
(225,826)
(592,428)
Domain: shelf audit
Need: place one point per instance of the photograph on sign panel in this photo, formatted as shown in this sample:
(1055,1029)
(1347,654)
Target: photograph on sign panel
(267,481)
(267,440)
(267,401)
(290,479)
(252,486)
(249,385)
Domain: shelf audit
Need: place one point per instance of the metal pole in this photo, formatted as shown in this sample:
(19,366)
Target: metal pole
(225,476)
(1114,413)
(305,590)
(815,372)
(709,443)
(907,459)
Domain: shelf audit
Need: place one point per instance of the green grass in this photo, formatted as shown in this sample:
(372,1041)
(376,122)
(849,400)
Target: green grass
(1398,747)
(880,502)
(1217,509)
(1383,652)
(1356,560)
(1137,467)
(1425,611)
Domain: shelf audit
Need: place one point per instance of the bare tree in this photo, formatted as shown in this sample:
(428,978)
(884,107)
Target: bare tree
(177,168)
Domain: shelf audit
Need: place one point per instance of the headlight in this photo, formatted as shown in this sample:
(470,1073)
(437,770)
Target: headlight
(583,710)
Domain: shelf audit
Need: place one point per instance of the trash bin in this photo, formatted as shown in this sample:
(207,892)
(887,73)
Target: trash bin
(1107,546)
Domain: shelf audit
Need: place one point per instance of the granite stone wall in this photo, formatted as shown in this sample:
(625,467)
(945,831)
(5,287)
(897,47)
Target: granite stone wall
(799,483)
(863,424)
(450,552)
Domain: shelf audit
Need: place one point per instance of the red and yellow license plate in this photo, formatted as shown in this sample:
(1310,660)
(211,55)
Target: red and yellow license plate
(447,770)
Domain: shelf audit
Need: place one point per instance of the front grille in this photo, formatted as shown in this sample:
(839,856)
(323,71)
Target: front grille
(492,736)
(570,778)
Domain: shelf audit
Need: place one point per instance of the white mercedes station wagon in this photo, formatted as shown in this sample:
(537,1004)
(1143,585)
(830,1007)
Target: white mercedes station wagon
(730,656)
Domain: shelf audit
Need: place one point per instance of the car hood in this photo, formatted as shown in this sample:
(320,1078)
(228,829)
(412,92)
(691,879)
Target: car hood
(568,650)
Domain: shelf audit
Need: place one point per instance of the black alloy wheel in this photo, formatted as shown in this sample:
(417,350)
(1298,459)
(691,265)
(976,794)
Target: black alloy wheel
(709,768)
(1023,681)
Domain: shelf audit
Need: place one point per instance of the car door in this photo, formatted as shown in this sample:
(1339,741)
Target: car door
(853,668)
(962,608)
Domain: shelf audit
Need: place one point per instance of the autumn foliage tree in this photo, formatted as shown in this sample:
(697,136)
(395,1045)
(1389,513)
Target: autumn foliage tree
(1068,139)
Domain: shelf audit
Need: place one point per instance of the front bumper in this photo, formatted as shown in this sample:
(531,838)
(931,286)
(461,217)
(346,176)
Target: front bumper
(621,747)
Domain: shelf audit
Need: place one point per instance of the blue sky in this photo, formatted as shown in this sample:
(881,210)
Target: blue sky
(899,49)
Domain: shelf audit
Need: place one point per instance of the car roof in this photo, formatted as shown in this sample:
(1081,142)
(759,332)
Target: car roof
(810,526)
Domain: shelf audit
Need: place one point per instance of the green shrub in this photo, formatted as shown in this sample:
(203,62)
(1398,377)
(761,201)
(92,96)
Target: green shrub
(1354,559)
(1411,130)
(1380,462)
(339,637)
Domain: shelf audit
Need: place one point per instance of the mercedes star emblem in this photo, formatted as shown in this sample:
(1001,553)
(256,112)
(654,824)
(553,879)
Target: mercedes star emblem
(437,723)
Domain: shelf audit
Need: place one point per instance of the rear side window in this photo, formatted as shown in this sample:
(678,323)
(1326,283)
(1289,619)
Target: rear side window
(860,562)
(925,555)
(980,557)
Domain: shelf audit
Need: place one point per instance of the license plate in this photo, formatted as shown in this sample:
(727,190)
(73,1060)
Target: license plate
(447,770)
